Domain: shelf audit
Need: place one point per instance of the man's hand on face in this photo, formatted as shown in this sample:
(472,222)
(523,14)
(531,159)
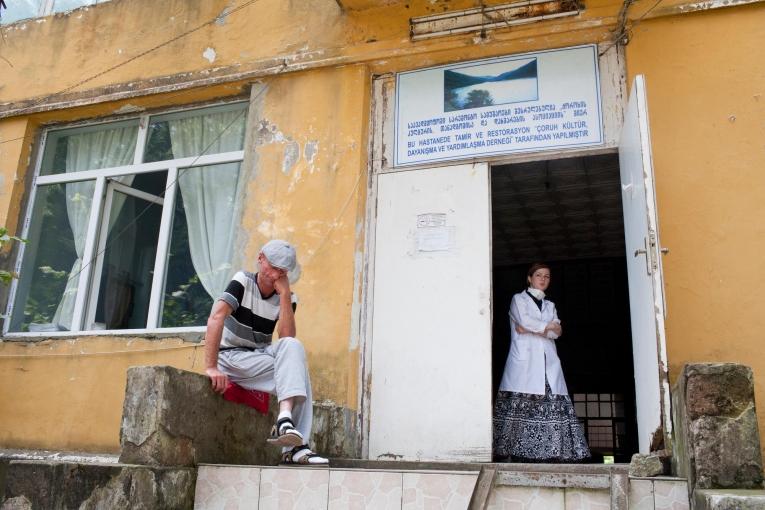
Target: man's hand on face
(218,379)
(282,285)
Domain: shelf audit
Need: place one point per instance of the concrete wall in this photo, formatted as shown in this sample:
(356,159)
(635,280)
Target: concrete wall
(314,61)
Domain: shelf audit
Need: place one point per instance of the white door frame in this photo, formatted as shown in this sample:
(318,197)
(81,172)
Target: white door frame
(613,94)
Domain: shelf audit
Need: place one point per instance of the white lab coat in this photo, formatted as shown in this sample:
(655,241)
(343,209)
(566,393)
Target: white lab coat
(531,356)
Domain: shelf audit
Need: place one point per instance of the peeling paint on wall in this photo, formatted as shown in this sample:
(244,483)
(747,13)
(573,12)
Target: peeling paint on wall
(221,19)
(209,54)
(129,108)
(310,151)
(268,133)
(291,156)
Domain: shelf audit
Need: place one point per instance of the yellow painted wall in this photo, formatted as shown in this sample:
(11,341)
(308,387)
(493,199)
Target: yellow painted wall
(317,203)
(706,94)
(67,394)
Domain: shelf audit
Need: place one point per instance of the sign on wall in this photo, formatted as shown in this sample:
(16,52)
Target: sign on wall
(519,103)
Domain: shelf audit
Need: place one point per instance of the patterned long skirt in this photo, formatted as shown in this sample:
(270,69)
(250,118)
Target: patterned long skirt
(537,428)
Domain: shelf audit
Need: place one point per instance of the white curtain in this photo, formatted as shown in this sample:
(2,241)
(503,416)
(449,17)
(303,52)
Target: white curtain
(212,196)
(88,151)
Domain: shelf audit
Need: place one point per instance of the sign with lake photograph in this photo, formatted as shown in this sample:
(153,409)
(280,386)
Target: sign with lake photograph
(519,103)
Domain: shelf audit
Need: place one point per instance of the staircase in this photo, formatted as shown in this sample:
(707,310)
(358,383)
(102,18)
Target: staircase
(349,484)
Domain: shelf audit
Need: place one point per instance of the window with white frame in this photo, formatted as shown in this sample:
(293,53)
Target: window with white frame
(132,223)
(23,9)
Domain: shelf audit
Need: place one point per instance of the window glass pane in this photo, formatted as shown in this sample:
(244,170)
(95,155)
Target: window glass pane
(90,148)
(52,259)
(196,132)
(68,5)
(128,262)
(200,263)
(19,9)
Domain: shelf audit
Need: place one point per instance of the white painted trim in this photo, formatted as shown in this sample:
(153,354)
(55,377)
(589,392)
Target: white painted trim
(191,161)
(489,26)
(477,10)
(613,91)
(24,233)
(163,247)
(375,165)
(655,253)
(95,287)
(86,268)
(106,332)
(140,143)
(127,190)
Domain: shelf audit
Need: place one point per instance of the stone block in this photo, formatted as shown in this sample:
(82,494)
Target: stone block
(172,417)
(706,499)
(335,431)
(645,465)
(61,485)
(717,443)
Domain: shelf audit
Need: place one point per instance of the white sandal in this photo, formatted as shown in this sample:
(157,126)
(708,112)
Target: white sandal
(303,456)
(284,433)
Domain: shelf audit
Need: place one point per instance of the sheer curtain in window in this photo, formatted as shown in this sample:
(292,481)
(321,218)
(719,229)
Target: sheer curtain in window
(211,195)
(98,149)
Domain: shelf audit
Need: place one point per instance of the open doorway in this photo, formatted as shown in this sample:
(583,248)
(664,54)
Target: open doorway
(568,213)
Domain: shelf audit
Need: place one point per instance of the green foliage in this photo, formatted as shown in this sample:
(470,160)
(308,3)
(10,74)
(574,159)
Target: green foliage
(186,301)
(187,305)
(5,239)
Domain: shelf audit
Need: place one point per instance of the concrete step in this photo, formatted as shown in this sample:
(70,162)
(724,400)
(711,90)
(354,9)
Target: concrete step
(708,499)
(266,487)
(410,485)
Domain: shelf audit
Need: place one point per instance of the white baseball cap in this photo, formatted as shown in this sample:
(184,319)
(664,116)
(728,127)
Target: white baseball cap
(280,254)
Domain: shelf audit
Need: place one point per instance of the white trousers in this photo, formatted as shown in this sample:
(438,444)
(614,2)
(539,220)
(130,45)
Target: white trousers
(279,369)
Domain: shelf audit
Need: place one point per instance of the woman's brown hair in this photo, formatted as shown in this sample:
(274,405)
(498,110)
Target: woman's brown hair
(536,266)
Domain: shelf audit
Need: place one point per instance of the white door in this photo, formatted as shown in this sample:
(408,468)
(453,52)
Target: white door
(644,270)
(430,394)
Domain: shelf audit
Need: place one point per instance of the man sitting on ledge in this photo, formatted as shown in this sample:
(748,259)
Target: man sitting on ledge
(238,348)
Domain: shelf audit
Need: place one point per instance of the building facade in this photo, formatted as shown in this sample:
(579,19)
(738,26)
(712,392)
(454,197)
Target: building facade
(147,150)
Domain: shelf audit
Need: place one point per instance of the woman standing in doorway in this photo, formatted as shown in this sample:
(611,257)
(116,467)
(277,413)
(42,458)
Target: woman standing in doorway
(534,420)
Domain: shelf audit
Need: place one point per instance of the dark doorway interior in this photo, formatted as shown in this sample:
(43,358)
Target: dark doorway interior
(568,213)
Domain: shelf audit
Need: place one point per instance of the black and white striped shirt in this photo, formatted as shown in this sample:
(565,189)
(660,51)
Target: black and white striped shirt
(252,323)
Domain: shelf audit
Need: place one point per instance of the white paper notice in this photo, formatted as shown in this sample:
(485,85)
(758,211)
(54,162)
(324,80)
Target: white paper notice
(434,238)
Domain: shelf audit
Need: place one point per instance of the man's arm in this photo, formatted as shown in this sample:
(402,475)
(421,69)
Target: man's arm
(220,311)
(286,324)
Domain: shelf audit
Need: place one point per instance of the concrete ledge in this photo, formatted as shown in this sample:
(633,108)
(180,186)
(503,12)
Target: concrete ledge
(172,417)
(39,484)
(404,465)
(569,480)
(708,499)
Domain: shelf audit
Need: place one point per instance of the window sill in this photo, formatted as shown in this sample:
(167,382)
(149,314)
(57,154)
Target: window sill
(189,334)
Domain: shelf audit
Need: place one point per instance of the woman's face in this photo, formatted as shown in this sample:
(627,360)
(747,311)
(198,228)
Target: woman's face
(540,279)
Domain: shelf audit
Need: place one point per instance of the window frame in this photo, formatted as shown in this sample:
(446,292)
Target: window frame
(87,284)
(47,8)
